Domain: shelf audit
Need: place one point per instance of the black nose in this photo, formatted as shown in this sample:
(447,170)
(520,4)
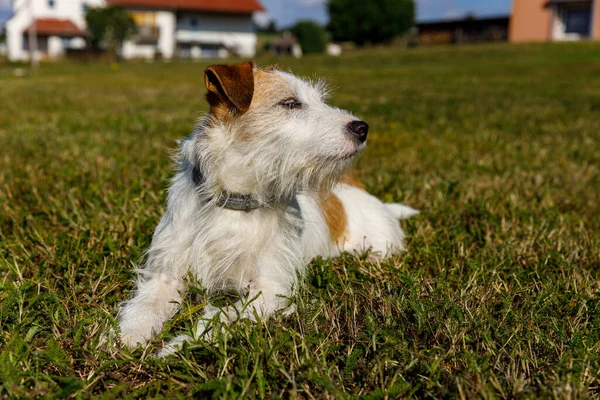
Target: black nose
(360,129)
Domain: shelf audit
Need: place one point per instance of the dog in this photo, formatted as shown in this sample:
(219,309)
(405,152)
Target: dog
(261,189)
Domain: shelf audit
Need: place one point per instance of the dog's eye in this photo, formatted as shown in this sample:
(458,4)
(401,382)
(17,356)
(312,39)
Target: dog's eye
(291,103)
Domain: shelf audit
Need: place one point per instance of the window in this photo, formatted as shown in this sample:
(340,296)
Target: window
(85,7)
(51,4)
(210,50)
(578,21)
(194,22)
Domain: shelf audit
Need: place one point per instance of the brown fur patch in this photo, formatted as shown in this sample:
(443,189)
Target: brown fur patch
(229,87)
(335,217)
(219,109)
(350,179)
(269,88)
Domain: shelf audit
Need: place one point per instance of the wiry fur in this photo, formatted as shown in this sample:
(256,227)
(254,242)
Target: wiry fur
(285,159)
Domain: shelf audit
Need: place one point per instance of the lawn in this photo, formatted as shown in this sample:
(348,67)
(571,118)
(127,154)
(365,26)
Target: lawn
(498,295)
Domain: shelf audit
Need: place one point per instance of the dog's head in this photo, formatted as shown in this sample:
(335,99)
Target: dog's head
(271,134)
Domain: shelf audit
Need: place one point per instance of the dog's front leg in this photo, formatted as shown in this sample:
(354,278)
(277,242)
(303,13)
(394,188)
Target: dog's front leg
(156,300)
(268,294)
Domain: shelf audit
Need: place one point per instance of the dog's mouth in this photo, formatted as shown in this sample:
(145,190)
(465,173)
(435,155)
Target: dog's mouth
(355,153)
(343,159)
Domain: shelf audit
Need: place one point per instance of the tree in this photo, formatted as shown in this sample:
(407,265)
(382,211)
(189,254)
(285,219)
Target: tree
(109,27)
(270,28)
(97,24)
(374,21)
(311,36)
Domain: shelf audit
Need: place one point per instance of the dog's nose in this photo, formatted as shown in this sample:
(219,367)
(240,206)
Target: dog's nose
(360,129)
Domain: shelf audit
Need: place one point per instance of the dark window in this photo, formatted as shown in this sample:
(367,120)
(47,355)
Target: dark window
(85,8)
(210,50)
(578,21)
(51,3)
(194,22)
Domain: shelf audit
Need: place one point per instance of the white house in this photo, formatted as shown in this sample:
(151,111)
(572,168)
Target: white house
(166,28)
(60,25)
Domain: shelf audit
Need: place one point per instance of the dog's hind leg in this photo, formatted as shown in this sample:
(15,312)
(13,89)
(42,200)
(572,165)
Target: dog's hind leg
(156,299)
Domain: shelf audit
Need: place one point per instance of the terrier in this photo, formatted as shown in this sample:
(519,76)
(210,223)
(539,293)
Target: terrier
(260,191)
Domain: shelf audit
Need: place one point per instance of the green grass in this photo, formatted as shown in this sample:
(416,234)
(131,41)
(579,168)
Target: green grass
(498,295)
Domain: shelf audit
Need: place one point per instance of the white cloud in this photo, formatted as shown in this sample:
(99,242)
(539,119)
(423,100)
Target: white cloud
(309,3)
(261,19)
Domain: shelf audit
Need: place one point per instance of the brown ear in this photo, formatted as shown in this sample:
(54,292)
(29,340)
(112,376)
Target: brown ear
(232,83)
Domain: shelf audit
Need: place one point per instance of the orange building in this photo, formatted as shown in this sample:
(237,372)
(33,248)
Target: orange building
(542,20)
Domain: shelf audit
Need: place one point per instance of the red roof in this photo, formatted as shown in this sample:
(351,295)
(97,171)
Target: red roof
(54,26)
(226,6)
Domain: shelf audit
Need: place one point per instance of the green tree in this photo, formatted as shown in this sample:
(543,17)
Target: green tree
(311,36)
(270,28)
(374,21)
(97,24)
(109,27)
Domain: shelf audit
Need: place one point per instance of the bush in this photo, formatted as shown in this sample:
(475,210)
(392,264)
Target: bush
(109,27)
(374,21)
(311,36)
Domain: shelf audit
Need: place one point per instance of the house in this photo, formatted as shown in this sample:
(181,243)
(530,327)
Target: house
(166,28)
(464,30)
(59,26)
(554,20)
(287,44)
(191,28)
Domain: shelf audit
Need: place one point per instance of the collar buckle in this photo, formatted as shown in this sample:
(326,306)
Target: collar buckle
(230,201)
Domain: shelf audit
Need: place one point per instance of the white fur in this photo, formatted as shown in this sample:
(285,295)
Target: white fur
(292,154)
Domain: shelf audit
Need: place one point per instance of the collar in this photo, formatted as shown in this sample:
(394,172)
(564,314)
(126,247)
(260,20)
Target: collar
(230,201)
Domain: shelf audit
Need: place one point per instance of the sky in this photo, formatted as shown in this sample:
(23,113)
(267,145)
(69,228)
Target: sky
(4,10)
(286,12)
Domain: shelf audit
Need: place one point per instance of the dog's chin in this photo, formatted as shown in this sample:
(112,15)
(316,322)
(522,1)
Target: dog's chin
(342,161)
(352,155)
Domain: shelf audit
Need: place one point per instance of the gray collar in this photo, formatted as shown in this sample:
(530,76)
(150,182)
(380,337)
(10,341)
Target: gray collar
(230,201)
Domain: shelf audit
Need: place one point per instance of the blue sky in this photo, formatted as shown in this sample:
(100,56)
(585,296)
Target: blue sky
(286,12)
(4,10)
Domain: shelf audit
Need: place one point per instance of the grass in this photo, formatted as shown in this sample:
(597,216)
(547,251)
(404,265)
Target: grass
(498,295)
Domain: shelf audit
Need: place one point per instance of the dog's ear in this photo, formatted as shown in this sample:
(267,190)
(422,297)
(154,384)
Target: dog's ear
(230,83)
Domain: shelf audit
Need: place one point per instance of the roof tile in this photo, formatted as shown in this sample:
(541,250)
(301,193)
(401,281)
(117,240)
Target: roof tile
(55,26)
(226,6)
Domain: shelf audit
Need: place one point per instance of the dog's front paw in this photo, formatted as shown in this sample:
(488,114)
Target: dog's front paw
(133,339)
(174,346)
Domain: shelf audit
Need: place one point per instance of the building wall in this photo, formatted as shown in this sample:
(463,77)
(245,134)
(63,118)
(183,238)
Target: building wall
(166,42)
(234,32)
(596,20)
(530,21)
(63,9)
(165,22)
(14,36)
